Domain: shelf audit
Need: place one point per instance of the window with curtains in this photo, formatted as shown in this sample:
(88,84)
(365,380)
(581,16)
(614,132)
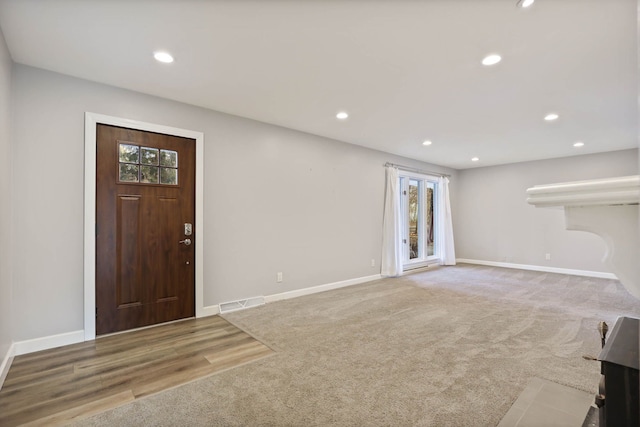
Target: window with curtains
(419,219)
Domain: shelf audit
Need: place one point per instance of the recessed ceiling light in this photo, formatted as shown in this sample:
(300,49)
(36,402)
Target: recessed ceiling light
(525,3)
(551,117)
(492,59)
(342,115)
(579,144)
(475,159)
(163,57)
(427,142)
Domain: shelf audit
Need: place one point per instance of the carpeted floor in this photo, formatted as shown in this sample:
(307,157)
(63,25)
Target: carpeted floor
(452,346)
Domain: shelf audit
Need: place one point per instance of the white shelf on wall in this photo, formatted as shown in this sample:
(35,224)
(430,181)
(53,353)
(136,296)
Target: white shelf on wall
(597,192)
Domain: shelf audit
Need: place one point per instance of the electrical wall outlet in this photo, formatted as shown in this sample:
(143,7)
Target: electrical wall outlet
(547,256)
(373,262)
(279,277)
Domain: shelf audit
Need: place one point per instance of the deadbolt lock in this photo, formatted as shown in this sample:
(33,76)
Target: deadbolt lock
(188,229)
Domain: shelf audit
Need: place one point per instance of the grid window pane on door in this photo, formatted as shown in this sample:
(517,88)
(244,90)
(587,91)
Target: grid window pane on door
(168,167)
(149,156)
(149,174)
(129,153)
(147,165)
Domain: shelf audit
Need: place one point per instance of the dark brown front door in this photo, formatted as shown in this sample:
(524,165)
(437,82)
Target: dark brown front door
(145,206)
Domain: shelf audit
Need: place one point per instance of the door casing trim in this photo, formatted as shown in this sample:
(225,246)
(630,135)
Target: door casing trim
(91,120)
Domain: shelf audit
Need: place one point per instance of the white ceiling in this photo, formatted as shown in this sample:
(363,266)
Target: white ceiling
(405,70)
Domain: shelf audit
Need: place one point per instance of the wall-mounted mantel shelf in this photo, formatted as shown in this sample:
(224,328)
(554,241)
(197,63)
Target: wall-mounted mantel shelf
(597,192)
(606,207)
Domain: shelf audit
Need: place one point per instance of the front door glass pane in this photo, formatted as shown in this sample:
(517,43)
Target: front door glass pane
(168,176)
(128,172)
(149,174)
(149,156)
(169,158)
(147,165)
(128,153)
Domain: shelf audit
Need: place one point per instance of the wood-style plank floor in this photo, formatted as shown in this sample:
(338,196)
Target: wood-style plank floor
(53,387)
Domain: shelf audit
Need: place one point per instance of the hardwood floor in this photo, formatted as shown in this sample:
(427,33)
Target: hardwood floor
(55,386)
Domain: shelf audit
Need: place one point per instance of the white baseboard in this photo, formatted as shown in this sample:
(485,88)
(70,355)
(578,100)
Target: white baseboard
(320,288)
(45,343)
(6,364)
(210,310)
(584,273)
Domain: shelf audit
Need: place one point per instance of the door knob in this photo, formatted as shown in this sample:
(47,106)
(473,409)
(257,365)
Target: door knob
(185,241)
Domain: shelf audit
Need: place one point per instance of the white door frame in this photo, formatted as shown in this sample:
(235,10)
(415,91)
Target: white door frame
(426,260)
(90,122)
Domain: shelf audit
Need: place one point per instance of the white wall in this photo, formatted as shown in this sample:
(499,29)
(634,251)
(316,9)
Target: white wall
(5,200)
(494,222)
(275,200)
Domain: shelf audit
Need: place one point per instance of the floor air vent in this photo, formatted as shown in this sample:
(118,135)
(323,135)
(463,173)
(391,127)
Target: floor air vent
(228,307)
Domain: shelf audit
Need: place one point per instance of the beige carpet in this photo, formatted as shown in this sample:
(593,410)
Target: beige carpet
(452,346)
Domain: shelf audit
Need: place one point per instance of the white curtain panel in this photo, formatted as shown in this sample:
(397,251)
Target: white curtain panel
(391,265)
(447,250)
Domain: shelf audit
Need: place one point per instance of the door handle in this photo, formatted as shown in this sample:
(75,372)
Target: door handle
(185,241)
